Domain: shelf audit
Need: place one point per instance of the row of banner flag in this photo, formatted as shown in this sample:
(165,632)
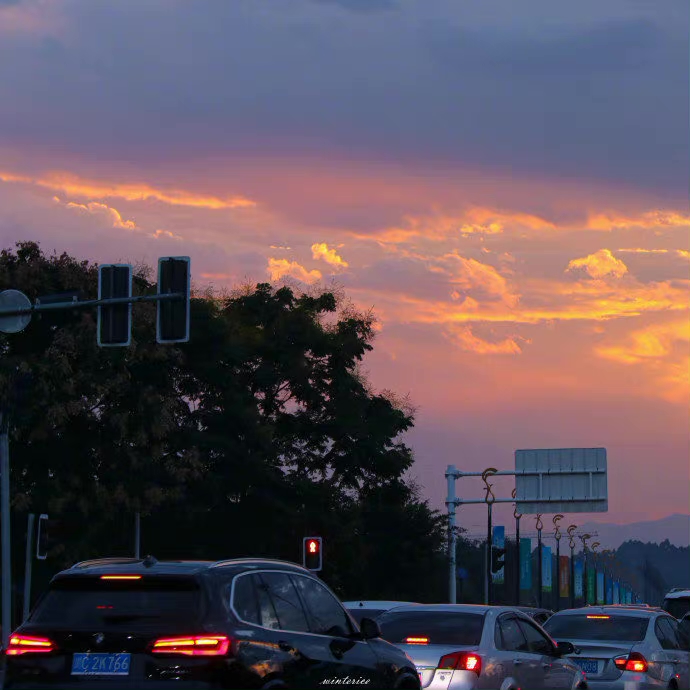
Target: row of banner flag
(601,589)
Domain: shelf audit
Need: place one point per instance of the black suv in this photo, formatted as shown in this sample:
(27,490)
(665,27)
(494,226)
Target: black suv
(241,623)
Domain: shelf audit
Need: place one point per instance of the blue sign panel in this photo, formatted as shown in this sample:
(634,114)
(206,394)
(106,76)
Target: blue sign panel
(525,564)
(546,568)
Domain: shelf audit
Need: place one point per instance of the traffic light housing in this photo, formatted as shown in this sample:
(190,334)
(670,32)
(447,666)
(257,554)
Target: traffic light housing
(172,321)
(497,559)
(312,555)
(114,320)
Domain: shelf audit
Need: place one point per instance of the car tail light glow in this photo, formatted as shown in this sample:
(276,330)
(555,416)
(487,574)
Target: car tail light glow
(633,662)
(192,645)
(461,661)
(120,577)
(24,644)
(416,640)
(600,617)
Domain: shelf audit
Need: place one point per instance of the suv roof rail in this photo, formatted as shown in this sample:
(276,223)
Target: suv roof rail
(230,561)
(114,560)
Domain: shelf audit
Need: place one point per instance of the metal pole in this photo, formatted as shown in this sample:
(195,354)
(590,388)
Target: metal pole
(137,535)
(517,561)
(488,594)
(539,560)
(28,564)
(572,576)
(5,517)
(557,598)
(452,534)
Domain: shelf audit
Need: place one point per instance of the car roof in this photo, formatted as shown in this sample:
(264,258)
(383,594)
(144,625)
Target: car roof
(618,609)
(371,604)
(532,609)
(151,566)
(678,594)
(452,608)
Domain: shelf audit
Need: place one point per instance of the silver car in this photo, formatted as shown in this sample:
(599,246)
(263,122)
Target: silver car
(466,647)
(624,647)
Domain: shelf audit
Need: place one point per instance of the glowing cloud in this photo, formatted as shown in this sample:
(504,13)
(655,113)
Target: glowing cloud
(96,208)
(330,256)
(651,219)
(599,265)
(472,275)
(465,339)
(73,185)
(280,268)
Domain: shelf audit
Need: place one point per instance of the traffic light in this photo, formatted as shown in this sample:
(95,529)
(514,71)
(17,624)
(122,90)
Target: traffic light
(114,320)
(172,322)
(497,560)
(43,541)
(312,553)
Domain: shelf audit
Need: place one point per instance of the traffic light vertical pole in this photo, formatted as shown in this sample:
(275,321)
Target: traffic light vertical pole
(28,565)
(452,534)
(5,517)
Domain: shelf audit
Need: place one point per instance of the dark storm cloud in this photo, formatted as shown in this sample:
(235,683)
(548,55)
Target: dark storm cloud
(600,97)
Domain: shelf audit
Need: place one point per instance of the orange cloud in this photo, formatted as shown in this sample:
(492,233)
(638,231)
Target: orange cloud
(600,264)
(474,221)
(470,274)
(280,268)
(97,208)
(465,339)
(663,347)
(651,219)
(637,250)
(330,256)
(73,185)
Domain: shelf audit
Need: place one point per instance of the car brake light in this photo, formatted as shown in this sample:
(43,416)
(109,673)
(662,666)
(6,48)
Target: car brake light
(416,640)
(193,645)
(461,661)
(23,644)
(120,577)
(600,617)
(634,662)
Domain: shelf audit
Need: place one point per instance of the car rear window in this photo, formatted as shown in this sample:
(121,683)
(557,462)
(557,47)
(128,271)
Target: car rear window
(595,626)
(677,606)
(358,614)
(438,627)
(148,603)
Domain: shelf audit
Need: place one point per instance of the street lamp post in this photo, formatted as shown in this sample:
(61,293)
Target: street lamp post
(571,538)
(557,534)
(585,587)
(517,517)
(540,526)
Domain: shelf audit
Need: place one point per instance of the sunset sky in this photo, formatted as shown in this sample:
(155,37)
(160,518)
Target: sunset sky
(505,183)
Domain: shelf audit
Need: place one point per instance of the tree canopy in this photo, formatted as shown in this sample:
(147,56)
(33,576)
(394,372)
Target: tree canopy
(259,431)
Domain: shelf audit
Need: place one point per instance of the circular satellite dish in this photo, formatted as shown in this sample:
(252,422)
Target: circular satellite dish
(11,300)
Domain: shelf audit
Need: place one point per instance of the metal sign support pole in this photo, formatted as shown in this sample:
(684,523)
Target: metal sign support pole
(28,565)
(452,534)
(137,535)
(539,560)
(5,517)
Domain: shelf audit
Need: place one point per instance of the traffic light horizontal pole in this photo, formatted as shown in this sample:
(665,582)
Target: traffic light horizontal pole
(173,296)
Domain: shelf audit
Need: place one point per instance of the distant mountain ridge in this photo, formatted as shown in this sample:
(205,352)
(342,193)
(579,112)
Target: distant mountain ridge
(675,528)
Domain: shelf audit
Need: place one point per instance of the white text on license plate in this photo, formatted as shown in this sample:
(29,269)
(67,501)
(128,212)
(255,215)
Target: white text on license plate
(100,664)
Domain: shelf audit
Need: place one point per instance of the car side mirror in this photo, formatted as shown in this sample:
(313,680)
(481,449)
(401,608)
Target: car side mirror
(563,648)
(370,629)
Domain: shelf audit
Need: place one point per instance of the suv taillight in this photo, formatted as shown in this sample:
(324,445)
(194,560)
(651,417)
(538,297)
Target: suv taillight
(461,661)
(632,662)
(25,644)
(192,645)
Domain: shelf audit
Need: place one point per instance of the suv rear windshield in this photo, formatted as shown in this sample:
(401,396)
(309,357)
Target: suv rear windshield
(439,627)
(358,614)
(88,602)
(588,627)
(677,606)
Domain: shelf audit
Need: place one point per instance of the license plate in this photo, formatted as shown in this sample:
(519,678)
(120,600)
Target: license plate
(588,665)
(100,664)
